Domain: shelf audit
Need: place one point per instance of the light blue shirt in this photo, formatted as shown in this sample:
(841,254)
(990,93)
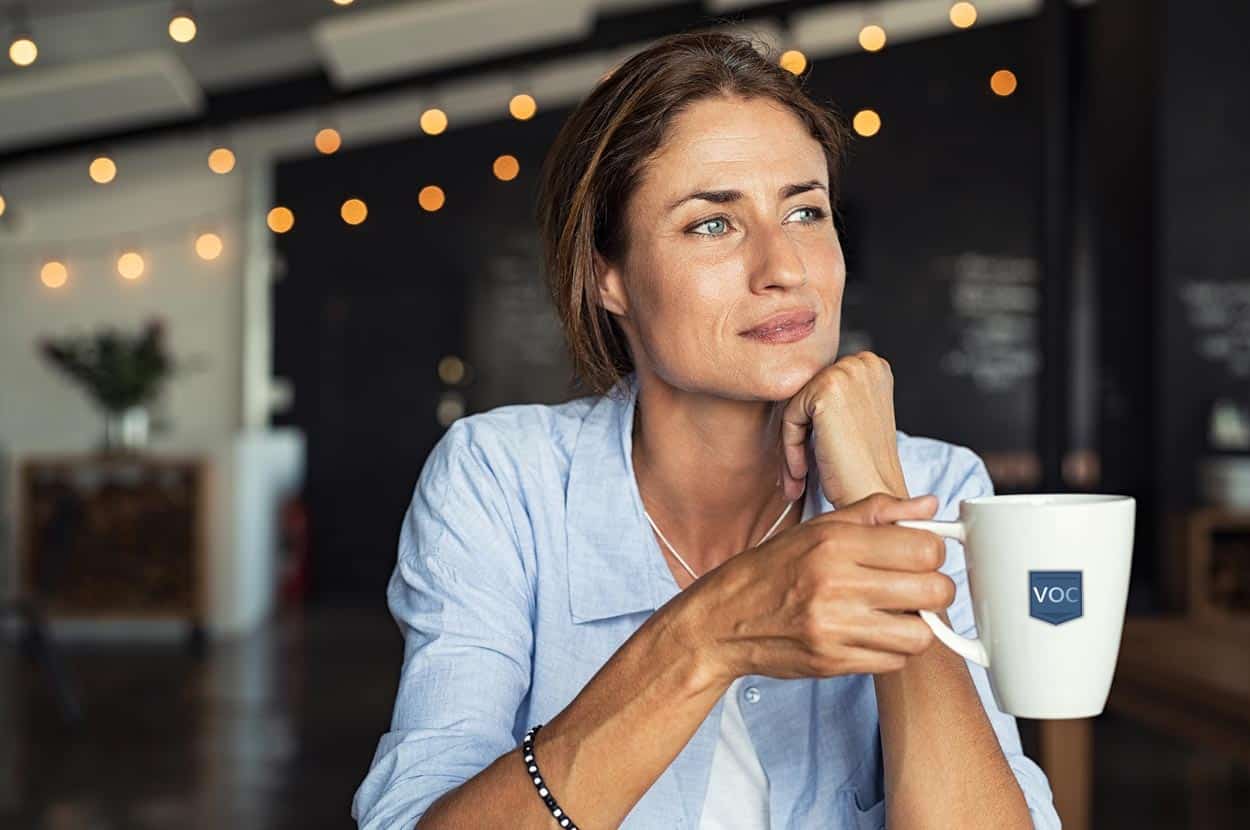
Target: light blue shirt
(525,562)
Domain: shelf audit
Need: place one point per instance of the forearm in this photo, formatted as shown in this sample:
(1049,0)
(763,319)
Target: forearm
(934,726)
(603,751)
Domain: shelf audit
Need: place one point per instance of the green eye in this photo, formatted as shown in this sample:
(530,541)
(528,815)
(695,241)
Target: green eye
(719,219)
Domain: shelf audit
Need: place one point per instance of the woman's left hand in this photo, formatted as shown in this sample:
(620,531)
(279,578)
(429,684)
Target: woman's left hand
(850,405)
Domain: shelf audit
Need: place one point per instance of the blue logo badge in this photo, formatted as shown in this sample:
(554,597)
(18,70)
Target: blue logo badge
(1055,596)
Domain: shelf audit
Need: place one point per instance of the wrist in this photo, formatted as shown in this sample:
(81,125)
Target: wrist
(853,491)
(685,639)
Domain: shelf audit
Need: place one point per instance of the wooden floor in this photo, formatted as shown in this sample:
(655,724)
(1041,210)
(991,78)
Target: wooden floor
(277,730)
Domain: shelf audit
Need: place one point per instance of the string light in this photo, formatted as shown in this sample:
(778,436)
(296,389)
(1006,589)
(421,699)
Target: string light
(327,141)
(431,198)
(354,211)
(1003,82)
(867,123)
(102,170)
(130,265)
(522,107)
(221,160)
(23,51)
(433,121)
(793,61)
(872,38)
(451,369)
(280,219)
(506,168)
(208,246)
(182,27)
(53,274)
(963,15)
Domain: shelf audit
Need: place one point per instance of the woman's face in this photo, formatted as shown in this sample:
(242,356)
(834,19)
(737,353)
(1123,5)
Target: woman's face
(701,270)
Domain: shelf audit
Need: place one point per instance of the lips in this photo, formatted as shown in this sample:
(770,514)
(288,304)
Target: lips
(782,321)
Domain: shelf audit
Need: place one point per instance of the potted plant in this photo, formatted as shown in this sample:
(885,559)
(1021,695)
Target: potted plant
(123,373)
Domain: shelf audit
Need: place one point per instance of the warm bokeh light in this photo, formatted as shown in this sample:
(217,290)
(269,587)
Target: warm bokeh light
(130,265)
(182,28)
(280,219)
(451,369)
(327,140)
(221,160)
(353,211)
(54,274)
(872,38)
(431,197)
(793,61)
(450,407)
(433,121)
(506,168)
(522,107)
(1003,82)
(963,15)
(867,123)
(102,170)
(208,246)
(23,51)
(3,205)
(342,2)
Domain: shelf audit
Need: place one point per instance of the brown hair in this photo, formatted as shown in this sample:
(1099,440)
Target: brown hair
(597,158)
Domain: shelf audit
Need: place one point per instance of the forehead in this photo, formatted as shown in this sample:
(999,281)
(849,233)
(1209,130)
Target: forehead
(724,141)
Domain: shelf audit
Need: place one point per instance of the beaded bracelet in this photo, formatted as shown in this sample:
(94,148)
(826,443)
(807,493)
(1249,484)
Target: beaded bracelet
(532,766)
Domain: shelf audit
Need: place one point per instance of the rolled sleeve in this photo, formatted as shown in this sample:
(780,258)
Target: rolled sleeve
(972,480)
(461,598)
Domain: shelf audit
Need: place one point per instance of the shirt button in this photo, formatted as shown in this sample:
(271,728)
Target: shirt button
(752,694)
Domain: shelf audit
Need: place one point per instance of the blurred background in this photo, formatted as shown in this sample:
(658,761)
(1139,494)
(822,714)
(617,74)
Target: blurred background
(255,257)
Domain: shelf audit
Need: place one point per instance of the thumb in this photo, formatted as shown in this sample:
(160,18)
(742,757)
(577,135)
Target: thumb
(884,509)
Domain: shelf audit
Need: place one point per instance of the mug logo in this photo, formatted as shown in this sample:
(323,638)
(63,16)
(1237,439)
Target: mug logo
(1055,596)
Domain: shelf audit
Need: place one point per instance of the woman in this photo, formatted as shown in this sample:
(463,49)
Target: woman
(596,568)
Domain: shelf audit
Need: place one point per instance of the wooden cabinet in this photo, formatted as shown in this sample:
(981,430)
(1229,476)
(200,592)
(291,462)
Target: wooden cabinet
(106,536)
(1217,557)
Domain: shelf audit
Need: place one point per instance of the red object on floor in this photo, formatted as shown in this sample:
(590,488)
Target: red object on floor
(293,553)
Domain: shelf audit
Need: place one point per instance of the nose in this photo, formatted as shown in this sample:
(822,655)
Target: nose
(777,259)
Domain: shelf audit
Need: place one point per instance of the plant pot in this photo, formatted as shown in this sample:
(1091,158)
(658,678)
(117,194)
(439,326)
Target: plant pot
(126,429)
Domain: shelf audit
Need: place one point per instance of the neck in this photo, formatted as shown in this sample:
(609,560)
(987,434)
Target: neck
(707,470)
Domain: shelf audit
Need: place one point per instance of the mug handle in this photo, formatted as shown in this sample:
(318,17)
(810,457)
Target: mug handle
(968,648)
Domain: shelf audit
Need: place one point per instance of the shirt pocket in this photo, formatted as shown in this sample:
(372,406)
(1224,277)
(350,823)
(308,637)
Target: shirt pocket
(862,813)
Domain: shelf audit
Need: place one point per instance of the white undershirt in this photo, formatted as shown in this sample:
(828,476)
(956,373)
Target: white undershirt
(737,791)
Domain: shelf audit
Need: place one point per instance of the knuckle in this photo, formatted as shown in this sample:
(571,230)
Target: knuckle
(812,627)
(935,553)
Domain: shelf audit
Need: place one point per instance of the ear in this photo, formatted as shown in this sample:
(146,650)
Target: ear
(611,286)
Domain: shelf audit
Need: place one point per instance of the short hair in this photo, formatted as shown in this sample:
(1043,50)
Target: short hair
(597,159)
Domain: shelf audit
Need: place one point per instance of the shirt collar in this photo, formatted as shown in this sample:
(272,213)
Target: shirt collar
(614,563)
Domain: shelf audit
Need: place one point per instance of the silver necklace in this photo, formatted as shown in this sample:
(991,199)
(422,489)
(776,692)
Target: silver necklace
(693,575)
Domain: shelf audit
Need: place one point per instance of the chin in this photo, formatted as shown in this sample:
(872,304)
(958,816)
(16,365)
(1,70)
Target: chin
(779,383)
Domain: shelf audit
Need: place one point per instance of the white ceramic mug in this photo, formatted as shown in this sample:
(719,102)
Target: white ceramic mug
(1048,576)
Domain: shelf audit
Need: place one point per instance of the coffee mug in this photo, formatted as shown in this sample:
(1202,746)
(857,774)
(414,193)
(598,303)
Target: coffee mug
(1048,576)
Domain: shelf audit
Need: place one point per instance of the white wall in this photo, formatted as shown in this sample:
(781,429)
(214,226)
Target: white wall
(160,199)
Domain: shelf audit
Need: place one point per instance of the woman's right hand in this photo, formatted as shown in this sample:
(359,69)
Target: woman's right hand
(825,597)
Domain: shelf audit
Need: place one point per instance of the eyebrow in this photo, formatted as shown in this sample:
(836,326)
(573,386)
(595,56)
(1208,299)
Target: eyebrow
(721,197)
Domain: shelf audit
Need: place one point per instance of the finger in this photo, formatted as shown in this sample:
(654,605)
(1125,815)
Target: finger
(905,591)
(858,660)
(886,547)
(898,633)
(883,509)
(796,422)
